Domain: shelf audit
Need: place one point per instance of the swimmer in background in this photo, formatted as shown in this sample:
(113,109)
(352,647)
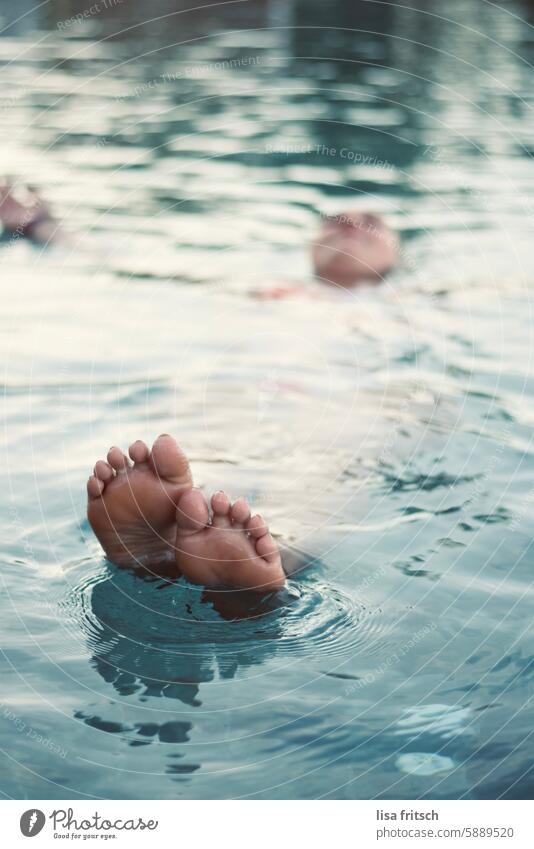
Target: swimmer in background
(351,248)
(24,214)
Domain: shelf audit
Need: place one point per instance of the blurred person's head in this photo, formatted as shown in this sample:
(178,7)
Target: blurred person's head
(354,247)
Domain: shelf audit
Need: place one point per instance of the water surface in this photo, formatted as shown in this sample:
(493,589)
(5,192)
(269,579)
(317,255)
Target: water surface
(388,430)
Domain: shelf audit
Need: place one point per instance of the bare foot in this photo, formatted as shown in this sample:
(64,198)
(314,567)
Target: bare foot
(132,510)
(24,212)
(233,550)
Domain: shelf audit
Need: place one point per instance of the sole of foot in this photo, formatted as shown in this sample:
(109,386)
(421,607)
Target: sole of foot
(132,507)
(227,548)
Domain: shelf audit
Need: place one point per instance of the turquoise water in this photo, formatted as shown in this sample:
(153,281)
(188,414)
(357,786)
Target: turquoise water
(388,431)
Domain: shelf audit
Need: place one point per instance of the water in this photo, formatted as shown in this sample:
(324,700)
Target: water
(388,430)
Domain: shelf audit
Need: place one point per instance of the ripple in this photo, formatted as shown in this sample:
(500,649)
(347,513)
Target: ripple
(445,721)
(121,613)
(326,621)
(419,389)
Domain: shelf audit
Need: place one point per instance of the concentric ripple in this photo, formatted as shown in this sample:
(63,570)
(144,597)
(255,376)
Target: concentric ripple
(118,610)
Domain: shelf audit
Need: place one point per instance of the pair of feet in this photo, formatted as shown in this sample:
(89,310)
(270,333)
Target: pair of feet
(148,513)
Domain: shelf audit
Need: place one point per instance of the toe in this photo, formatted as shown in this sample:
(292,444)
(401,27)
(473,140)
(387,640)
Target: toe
(220,504)
(240,513)
(103,471)
(267,548)
(257,527)
(169,461)
(138,451)
(95,487)
(117,459)
(192,512)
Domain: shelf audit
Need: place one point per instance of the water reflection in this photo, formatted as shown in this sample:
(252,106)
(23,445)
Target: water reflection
(157,638)
(161,638)
(164,638)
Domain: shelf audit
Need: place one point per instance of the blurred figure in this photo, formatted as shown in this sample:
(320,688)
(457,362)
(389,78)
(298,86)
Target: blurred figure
(354,247)
(351,247)
(24,214)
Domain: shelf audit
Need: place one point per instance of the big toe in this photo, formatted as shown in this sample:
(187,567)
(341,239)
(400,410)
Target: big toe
(169,461)
(192,512)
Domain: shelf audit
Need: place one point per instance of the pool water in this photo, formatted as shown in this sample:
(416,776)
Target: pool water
(387,431)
